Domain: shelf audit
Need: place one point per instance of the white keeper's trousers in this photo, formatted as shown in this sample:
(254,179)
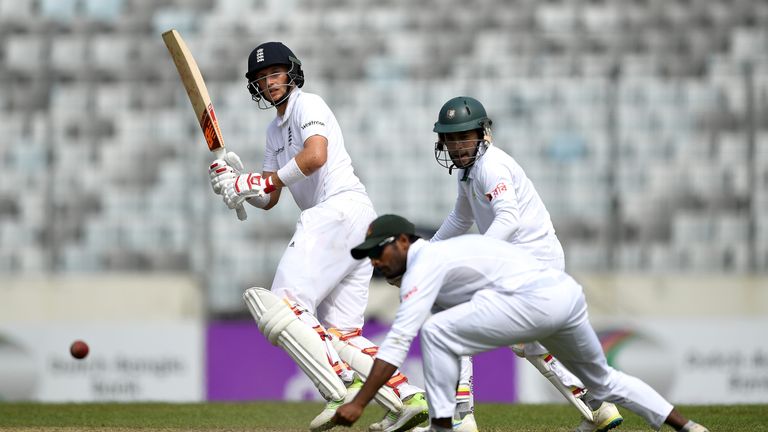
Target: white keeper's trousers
(555,314)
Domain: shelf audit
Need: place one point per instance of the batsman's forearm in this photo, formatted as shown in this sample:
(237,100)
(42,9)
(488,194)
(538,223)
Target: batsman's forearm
(381,372)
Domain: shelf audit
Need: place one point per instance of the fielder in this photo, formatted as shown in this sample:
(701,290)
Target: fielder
(495,193)
(315,307)
(492,294)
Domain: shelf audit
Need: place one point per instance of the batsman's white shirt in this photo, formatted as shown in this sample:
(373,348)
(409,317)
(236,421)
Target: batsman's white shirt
(307,115)
(501,199)
(317,270)
(495,294)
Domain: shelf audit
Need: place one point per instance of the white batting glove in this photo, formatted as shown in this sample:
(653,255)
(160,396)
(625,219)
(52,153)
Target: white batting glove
(244,186)
(224,170)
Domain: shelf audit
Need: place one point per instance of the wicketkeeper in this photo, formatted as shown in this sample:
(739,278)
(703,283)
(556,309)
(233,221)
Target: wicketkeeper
(495,193)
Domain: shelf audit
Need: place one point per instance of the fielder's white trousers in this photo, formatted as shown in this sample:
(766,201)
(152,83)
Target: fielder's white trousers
(530,349)
(554,313)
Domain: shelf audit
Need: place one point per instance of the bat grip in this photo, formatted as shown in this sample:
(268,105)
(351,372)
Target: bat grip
(241,214)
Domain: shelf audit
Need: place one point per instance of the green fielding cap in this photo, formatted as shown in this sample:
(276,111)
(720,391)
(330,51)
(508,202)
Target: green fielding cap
(380,229)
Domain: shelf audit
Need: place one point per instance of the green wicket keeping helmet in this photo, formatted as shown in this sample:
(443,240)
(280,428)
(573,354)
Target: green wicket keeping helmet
(461,114)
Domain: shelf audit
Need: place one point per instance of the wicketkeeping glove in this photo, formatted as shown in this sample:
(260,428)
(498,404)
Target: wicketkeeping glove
(224,170)
(244,186)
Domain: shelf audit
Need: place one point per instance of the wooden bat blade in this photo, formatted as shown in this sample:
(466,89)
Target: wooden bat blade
(194,84)
(198,95)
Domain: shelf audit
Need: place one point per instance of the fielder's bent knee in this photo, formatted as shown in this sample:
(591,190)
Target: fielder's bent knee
(433,332)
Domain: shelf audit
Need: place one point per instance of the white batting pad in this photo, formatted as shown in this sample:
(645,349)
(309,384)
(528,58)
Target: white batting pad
(362,363)
(283,328)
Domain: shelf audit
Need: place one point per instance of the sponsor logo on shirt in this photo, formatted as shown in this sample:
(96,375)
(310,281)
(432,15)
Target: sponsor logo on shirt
(310,123)
(411,292)
(498,190)
(280,150)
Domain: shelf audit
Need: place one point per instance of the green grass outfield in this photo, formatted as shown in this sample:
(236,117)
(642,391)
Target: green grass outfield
(282,416)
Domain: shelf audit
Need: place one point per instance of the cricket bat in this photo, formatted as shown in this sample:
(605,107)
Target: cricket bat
(198,96)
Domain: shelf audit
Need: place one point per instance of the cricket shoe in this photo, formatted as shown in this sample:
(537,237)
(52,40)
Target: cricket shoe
(415,411)
(323,420)
(467,424)
(606,418)
(697,428)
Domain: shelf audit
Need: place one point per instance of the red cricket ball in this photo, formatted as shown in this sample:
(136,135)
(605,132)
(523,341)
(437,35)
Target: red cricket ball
(78,349)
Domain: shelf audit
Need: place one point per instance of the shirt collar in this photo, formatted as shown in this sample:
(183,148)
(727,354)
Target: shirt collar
(288,110)
(415,249)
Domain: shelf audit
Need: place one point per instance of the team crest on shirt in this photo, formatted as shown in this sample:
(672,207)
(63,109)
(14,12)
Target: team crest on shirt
(451,113)
(498,190)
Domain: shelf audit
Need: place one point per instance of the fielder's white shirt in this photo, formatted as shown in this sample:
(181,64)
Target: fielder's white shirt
(501,199)
(307,115)
(450,272)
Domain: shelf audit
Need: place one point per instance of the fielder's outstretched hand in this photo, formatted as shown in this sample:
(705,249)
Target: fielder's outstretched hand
(347,414)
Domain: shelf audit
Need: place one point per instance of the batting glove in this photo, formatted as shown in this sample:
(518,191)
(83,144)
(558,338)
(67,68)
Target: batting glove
(224,170)
(245,186)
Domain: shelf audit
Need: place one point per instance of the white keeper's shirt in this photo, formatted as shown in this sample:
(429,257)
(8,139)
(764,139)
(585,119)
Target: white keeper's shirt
(499,197)
(448,273)
(306,115)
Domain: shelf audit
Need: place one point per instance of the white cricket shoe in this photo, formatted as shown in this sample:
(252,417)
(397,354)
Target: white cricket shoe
(606,417)
(415,411)
(697,428)
(467,424)
(323,420)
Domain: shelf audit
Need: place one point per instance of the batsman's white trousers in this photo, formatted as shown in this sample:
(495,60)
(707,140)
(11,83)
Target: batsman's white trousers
(317,270)
(553,313)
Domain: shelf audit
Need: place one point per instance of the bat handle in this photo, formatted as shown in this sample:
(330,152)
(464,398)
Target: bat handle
(241,214)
